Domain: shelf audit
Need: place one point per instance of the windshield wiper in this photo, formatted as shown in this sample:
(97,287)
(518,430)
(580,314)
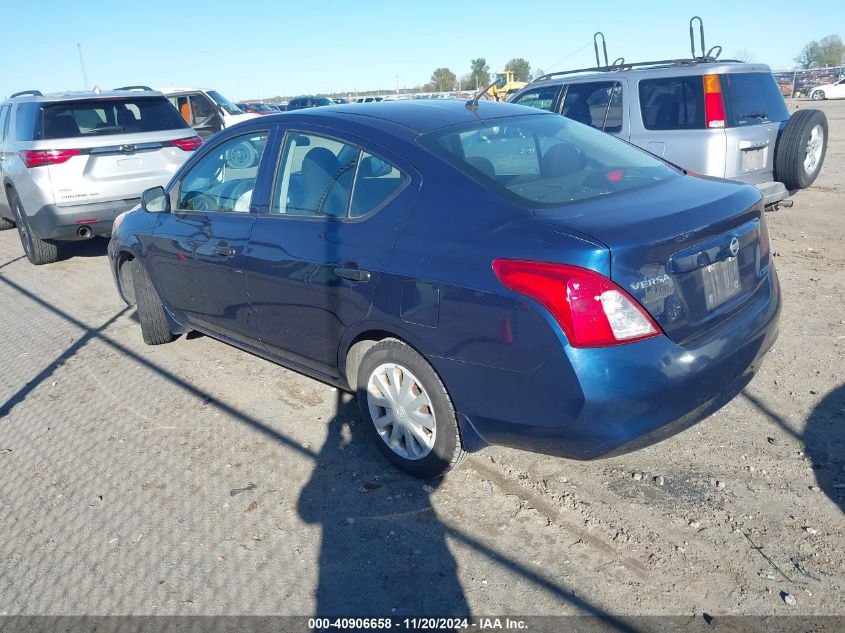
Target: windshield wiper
(106,130)
(755,115)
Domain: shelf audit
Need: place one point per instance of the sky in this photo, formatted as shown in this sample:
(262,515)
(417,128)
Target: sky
(267,48)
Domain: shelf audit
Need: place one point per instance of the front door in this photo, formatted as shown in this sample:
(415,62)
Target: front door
(315,259)
(198,249)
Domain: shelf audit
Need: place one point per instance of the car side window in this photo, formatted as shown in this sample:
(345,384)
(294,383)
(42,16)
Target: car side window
(323,177)
(597,104)
(201,110)
(223,179)
(672,103)
(541,97)
(4,122)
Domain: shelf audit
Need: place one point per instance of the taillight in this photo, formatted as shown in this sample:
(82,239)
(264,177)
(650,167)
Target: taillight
(188,144)
(36,158)
(714,107)
(765,249)
(591,309)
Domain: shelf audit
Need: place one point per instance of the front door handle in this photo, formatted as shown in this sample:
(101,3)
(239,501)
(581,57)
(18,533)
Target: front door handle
(223,250)
(353,274)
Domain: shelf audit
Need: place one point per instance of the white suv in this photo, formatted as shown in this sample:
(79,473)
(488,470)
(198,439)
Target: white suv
(70,163)
(207,111)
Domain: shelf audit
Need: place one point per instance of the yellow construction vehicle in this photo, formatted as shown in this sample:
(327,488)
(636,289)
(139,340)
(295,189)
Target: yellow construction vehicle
(505,85)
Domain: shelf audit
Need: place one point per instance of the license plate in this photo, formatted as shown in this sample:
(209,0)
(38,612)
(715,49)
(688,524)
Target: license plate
(721,282)
(755,159)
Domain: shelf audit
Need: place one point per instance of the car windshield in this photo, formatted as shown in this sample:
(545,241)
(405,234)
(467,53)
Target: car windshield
(546,160)
(753,98)
(224,103)
(103,117)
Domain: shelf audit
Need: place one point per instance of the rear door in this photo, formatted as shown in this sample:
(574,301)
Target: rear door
(755,112)
(670,124)
(599,104)
(315,259)
(198,250)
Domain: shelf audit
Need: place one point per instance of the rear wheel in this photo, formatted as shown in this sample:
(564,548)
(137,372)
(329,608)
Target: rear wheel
(408,411)
(818,95)
(37,251)
(154,327)
(801,149)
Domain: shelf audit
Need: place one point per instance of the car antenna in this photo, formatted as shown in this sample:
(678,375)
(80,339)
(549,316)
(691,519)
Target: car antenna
(472,104)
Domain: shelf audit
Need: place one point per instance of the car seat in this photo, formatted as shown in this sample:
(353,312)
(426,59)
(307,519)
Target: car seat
(561,160)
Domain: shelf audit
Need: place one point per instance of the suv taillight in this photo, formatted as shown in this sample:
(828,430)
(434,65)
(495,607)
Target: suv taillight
(188,144)
(36,158)
(714,107)
(591,309)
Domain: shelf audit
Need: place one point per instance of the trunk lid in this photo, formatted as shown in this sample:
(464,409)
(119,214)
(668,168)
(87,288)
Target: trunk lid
(691,250)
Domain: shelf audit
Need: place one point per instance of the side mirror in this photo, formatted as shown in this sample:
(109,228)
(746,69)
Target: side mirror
(155,200)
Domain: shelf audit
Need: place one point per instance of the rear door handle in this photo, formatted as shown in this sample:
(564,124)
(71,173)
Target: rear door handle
(223,250)
(353,274)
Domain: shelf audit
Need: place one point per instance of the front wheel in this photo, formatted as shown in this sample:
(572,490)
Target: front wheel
(408,411)
(151,314)
(818,95)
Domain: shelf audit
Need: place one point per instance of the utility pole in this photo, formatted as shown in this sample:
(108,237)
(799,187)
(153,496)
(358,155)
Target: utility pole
(397,84)
(82,65)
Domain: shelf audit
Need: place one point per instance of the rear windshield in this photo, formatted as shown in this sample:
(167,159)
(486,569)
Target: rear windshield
(103,117)
(546,160)
(752,98)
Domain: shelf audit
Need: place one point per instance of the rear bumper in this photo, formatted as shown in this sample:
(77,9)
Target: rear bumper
(52,222)
(589,403)
(772,192)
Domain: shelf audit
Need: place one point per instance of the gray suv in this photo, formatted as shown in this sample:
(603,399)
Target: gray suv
(719,118)
(70,163)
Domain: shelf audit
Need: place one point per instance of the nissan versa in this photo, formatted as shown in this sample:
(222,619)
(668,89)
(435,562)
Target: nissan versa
(478,273)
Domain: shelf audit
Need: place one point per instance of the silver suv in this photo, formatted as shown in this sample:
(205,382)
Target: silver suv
(719,118)
(70,163)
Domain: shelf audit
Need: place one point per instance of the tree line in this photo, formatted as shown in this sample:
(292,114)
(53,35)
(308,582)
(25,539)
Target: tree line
(479,76)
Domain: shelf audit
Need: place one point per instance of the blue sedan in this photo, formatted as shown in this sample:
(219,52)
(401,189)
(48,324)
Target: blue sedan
(477,273)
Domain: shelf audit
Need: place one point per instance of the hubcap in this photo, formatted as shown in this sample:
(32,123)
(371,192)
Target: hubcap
(814,149)
(401,411)
(22,227)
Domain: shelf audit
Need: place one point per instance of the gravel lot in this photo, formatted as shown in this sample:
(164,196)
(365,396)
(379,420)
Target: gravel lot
(194,478)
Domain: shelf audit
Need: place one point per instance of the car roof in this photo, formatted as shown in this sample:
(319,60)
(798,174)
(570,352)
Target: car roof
(669,69)
(418,115)
(83,95)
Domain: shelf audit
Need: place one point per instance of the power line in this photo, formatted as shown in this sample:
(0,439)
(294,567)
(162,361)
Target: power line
(563,59)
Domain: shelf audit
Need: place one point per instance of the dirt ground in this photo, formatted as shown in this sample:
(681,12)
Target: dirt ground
(194,478)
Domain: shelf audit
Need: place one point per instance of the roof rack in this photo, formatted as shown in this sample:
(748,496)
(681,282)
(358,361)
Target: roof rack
(145,88)
(24,93)
(620,64)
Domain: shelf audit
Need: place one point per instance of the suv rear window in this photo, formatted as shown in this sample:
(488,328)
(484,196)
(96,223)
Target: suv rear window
(546,161)
(752,98)
(672,103)
(102,117)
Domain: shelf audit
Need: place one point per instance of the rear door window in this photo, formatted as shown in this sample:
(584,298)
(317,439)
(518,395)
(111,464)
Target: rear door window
(597,104)
(103,117)
(541,97)
(752,98)
(672,103)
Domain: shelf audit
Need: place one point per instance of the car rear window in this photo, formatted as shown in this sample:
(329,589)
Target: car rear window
(546,160)
(752,98)
(672,103)
(542,97)
(102,117)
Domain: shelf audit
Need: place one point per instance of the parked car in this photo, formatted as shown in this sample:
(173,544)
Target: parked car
(829,91)
(308,102)
(207,111)
(256,108)
(279,107)
(725,119)
(340,100)
(71,162)
(481,273)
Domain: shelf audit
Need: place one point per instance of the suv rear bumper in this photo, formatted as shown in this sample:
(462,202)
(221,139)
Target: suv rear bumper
(52,222)
(772,192)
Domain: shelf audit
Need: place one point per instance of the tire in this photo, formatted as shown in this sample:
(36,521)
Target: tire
(154,327)
(37,251)
(801,149)
(5,224)
(390,363)
(818,95)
